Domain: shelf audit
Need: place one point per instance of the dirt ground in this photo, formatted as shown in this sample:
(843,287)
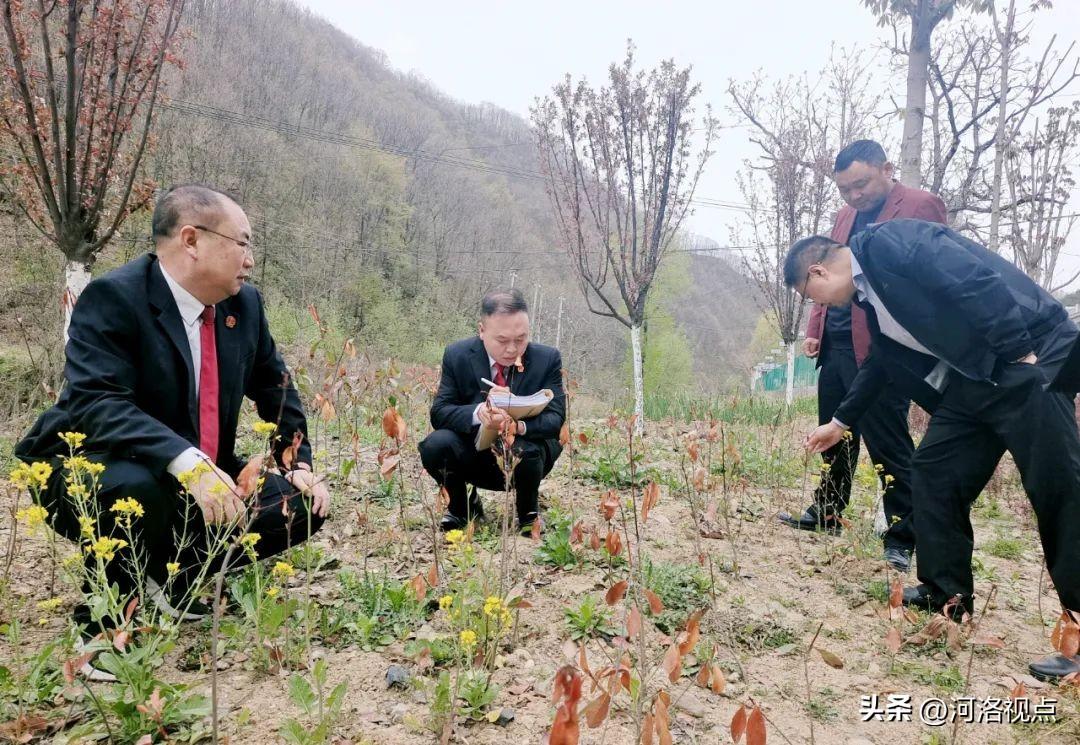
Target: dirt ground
(787,584)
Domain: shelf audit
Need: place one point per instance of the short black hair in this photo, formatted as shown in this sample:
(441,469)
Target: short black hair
(803,254)
(503,301)
(198,201)
(864,151)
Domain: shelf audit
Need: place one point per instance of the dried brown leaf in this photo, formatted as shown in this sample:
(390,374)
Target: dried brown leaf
(673,663)
(831,659)
(755,727)
(616,592)
(738,724)
(597,710)
(655,604)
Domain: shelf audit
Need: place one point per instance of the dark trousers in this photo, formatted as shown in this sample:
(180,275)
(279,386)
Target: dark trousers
(170,516)
(453,461)
(884,426)
(974,425)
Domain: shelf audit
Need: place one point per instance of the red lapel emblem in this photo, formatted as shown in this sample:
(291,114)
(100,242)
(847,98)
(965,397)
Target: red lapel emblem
(230,322)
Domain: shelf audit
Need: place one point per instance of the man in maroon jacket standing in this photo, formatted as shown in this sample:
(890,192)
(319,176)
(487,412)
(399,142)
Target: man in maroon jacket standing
(840,339)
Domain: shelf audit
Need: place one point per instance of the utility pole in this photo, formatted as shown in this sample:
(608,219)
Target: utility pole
(558,324)
(513,279)
(539,307)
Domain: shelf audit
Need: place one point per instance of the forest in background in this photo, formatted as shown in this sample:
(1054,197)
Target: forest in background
(389,206)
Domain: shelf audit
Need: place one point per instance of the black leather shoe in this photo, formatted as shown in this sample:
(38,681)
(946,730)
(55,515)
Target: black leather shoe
(450,521)
(476,507)
(1055,667)
(918,596)
(899,558)
(812,521)
(525,525)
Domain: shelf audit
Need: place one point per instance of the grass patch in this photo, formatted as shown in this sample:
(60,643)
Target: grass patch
(590,618)
(682,588)
(1005,548)
(373,611)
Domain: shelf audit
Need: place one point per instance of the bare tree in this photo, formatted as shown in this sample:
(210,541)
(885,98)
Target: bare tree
(923,17)
(1039,179)
(798,127)
(77,98)
(983,88)
(621,173)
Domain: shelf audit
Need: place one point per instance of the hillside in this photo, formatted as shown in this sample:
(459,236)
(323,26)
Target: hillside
(385,203)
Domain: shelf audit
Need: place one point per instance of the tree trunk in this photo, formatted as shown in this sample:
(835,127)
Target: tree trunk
(76,278)
(789,384)
(639,378)
(1000,145)
(915,107)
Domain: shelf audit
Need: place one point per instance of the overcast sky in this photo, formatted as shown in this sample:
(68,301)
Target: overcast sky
(508,53)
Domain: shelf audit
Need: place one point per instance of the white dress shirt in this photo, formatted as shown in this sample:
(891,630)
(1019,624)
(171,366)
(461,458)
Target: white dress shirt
(476,411)
(191,309)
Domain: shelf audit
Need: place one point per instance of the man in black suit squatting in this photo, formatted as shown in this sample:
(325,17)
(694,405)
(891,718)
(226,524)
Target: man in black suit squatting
(978,344)
(460,409)
(161,354)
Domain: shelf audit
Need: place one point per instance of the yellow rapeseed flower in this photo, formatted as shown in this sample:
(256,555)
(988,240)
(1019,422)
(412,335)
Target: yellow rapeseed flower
(248,540)
(76,463)
(106,548)
(74,440)
(128,506)
(41,472)
(172,567)
(188,479)
(49,605)
(33,516)
(889,478)
(86,526)
(264,428)
(282,571)
(271,592)
(78,490)
(467,639)
(446,601)
(95,469)
(454,537)
(21,476)
(492,606)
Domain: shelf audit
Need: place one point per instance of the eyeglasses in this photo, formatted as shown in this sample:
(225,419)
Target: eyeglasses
(246,245)
(821,257)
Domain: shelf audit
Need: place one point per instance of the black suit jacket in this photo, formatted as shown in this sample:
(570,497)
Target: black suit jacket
(130,386)
(460,390)
(968,306)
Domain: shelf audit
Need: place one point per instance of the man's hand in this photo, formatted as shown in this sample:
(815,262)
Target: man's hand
(1029,359)
(217,496)
(811,347)
(492,418)
(824,437)
(311,486)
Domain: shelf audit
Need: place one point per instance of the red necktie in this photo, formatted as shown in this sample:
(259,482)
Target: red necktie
(208,386)
(500,375)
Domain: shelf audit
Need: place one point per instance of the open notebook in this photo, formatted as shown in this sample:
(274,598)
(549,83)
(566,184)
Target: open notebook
(517,406)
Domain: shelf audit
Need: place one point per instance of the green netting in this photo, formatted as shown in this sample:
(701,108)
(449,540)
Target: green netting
(776,378)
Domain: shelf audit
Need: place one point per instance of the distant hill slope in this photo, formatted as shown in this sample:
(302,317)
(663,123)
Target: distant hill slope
(373,195)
